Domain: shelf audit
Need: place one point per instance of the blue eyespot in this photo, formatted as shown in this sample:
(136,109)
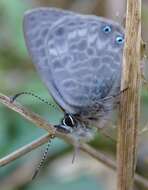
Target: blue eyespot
(107,29)
(119,40)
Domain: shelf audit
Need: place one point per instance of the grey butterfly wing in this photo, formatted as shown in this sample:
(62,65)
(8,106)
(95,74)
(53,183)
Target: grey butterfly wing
(72,56)
(36,26)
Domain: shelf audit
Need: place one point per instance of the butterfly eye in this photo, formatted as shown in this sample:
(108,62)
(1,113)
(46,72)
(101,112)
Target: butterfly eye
(119,40)
(107,29)
(68,121)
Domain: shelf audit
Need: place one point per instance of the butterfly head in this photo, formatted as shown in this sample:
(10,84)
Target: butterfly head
(77,129)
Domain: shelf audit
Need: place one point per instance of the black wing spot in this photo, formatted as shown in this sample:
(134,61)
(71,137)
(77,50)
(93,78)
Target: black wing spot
(60,32)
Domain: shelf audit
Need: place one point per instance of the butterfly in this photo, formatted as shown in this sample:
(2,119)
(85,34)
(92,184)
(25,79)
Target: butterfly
(79,59)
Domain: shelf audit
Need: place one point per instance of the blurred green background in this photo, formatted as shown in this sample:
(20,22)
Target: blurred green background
(18,74)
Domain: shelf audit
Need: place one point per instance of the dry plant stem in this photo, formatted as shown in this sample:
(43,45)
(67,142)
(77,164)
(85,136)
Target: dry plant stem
(30,116)
(36,119)
(129,108)
(24,150)
(84,147)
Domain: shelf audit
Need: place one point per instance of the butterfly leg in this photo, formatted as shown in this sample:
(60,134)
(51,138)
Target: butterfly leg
(63,129)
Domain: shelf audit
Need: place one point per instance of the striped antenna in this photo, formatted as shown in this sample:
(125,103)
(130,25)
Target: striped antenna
(13,98)
(43,158)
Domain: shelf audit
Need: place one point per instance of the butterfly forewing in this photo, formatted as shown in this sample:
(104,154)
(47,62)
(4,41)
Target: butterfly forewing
(37,25)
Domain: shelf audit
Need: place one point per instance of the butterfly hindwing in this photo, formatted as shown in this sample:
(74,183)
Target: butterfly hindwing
(69,52)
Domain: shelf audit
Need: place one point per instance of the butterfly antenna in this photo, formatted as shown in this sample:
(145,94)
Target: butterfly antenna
(43,158)
(13,98)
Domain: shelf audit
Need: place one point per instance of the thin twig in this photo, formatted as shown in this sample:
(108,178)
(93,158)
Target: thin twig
(24,150)
(36,119)
(30,116)
(106,160)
